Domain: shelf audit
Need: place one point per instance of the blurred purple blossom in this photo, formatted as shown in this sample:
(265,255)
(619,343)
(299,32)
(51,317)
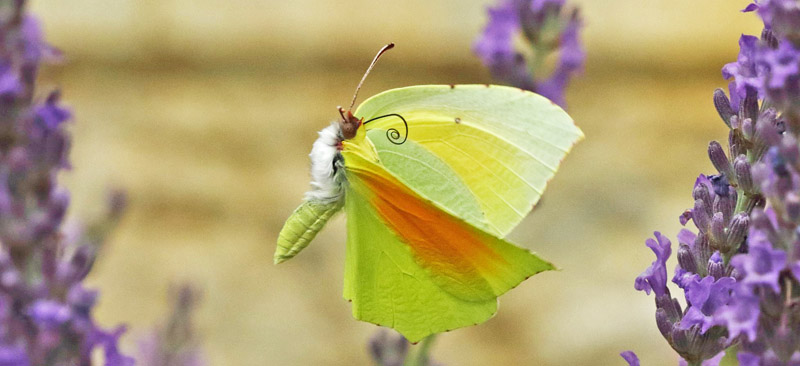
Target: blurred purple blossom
(547,27)
(630,357)
(781,64)
(782,16)
(389,348)
(174,344)
(45,311)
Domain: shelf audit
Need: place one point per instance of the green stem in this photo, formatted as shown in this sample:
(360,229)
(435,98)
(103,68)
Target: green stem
(536,64)
(421,357)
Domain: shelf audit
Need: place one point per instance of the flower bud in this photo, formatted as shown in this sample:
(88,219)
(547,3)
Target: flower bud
(686,259)
(716,269)
(701,248)
(723,106)
(736,140)
(718,233)
(749,106)
(747,129)
(700,192)
(700,216)
(738,230)
(718,158)
(766,131)
(742,172)
(724,205)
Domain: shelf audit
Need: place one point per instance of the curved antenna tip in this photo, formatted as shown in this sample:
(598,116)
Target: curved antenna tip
(371,65)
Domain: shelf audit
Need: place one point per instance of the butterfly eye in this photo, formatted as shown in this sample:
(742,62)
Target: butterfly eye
(393,134)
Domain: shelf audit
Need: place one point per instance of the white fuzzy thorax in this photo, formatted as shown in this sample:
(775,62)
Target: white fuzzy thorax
(326,180)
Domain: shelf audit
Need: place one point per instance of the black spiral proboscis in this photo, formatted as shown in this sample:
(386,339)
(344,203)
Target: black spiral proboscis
(393,134)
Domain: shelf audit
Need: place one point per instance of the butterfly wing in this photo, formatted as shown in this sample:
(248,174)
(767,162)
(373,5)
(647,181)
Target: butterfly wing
(503,144)
(413,266)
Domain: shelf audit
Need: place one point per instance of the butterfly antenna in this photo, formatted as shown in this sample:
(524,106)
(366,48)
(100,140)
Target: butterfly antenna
(384,49)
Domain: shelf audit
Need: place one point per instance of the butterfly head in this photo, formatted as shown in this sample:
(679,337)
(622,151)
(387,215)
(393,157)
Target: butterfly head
(349,124)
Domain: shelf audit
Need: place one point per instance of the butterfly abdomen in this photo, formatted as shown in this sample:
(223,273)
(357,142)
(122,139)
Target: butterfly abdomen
(325,198)
(304,224)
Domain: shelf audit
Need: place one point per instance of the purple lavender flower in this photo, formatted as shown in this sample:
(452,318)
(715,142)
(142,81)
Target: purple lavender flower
(744,71)
(740,316)
(762,265)
(655,277)
(546,27)
(704,297)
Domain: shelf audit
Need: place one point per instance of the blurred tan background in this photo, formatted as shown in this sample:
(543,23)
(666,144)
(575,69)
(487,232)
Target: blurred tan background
(205,112)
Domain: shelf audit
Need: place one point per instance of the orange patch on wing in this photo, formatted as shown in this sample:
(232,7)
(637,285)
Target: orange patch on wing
(441,242)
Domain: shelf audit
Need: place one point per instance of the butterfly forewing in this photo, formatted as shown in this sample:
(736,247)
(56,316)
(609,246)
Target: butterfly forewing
(503,143)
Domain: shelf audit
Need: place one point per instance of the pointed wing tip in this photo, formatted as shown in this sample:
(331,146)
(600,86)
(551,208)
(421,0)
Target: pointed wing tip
(581,135)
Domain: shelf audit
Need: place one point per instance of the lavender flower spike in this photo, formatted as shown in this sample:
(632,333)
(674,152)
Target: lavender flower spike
(45,310)
(741,272)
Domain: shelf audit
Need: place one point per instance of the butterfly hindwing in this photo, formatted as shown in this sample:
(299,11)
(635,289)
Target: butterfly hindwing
(415,267)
